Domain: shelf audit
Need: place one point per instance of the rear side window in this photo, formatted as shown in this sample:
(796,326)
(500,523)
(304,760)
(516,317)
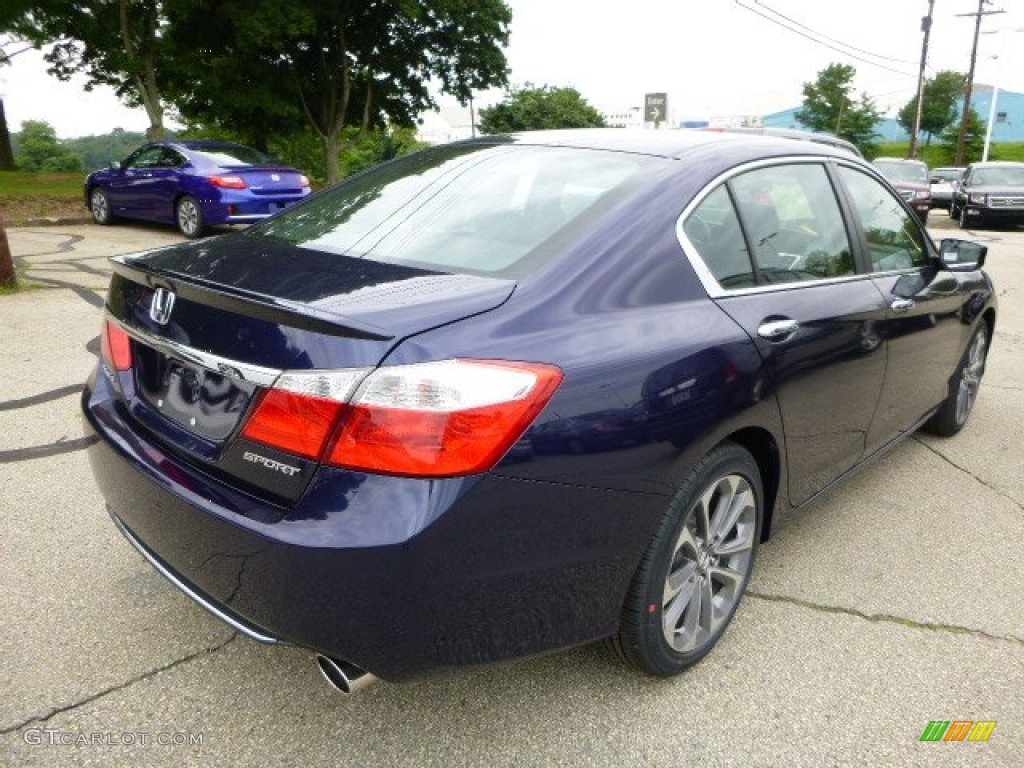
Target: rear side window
(233,154)
(894,239)
(787,217)
(714,229)
(477,209)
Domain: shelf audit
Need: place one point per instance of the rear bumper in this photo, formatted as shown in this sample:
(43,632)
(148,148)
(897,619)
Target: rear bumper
(395,575)
(245,208)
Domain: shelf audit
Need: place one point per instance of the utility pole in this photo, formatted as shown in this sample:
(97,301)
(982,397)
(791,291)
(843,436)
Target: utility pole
(961,140)
(926,27)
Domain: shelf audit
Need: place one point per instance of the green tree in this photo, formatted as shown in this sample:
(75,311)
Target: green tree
(532,108)
(112,42)
(829,106)
(39,150)
(332,65)
(974,145)
(940,104)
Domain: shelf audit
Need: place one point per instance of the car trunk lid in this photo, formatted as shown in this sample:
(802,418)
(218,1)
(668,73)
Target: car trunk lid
(212,324)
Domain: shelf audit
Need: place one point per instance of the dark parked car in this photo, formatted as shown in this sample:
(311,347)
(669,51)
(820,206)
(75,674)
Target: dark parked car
(193,184)
(911,180)
(989,193)
(315,427)
(942,182)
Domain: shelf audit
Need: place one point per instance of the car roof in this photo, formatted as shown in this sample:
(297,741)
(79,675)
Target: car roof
(676,144)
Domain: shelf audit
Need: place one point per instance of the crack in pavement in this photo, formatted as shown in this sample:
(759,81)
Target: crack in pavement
(88,295)
(120,687)
(50,449)
(968,472)
(885,618)
(43,397)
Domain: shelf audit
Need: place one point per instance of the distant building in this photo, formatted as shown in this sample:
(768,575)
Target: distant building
(624,118)
(1008,124)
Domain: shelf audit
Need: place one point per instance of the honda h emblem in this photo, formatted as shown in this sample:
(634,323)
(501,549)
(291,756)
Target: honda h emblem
(161,306)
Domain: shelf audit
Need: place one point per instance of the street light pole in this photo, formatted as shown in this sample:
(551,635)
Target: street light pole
(926,27)
(995,89)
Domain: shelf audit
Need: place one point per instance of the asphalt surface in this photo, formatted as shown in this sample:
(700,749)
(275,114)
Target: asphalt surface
(896,601)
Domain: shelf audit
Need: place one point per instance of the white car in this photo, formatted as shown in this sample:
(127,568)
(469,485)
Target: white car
(942,181)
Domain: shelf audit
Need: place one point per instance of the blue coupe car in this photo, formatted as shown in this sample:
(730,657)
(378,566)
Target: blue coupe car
(193,184)
(510,395)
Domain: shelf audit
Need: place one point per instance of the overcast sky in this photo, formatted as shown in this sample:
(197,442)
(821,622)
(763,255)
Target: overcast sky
(714,58)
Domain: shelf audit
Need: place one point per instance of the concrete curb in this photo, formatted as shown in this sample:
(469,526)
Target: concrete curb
(60,221)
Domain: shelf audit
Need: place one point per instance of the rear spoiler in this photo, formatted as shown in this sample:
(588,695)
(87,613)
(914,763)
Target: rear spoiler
(269,308)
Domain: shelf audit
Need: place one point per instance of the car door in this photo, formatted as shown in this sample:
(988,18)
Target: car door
(166,183)
(133,192)
(922,326)
(778,257)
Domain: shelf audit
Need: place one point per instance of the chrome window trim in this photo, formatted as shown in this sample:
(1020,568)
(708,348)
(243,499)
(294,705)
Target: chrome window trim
(233,369)
(707,279)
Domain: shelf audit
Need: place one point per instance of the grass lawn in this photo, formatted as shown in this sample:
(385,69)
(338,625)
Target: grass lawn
(937,156)
(25,196)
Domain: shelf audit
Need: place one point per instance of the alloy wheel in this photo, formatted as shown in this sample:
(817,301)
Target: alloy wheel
(100,207)
(710,564)
(970,376)
(188,217)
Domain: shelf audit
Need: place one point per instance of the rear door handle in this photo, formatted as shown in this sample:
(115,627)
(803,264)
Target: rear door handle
(777,330)
(899,306)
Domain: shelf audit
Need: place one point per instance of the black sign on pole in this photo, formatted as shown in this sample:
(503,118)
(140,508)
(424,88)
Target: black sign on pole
(655,108)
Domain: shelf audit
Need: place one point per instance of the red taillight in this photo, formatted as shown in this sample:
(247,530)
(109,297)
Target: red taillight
(227,182)
(441,419)
(116,346)
(293,423)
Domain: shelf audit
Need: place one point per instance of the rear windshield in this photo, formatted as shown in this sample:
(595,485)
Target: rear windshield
(234,154)
(499,211)
(904,171)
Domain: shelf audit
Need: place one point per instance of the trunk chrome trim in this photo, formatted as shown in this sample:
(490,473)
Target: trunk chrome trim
(202,600)
(233,369)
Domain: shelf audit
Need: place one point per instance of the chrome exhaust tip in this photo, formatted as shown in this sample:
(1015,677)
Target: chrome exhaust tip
(341,675)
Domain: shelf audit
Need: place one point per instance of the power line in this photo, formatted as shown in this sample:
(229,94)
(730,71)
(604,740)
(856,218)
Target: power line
(820,42)
(832,39)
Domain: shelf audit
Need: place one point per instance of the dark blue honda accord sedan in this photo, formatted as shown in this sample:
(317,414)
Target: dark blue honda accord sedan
(193,184)
(520,393)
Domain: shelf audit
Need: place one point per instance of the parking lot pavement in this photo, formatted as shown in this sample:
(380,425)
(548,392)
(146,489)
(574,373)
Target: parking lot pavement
(894,602)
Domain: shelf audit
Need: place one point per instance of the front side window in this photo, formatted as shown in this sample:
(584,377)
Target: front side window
(894,239)
(147,157)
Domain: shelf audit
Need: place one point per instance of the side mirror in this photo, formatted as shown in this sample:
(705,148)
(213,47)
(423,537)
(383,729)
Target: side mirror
(962,255)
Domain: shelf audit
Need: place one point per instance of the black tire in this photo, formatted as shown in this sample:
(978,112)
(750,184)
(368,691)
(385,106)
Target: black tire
(953,212)
(99,206)
(923,217)
(964,224)
(704,548)
(189,217)
(963,387)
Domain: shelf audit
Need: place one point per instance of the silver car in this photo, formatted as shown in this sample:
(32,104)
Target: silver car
(942,181)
